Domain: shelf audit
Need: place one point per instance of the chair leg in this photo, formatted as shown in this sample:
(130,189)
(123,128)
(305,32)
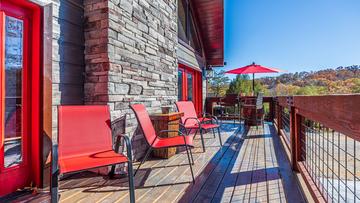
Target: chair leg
(202,139)
(112,171)
(143,160)
(219,136)
(131,182)
(54,188)
(195,132)
(214,132)
(188,155)
(192,158)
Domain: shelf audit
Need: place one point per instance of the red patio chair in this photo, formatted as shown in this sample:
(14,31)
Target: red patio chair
(191,121)
(85,142)
(156,142)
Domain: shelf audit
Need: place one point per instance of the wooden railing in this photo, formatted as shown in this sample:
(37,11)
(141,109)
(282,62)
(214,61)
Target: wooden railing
(211,101)
(323,135)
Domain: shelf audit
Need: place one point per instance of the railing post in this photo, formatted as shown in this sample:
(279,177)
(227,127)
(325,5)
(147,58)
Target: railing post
(299,129)
(279,119)
(271,109)
(295,140)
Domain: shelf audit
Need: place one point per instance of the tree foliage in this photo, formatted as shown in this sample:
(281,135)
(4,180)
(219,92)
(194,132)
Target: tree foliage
(243,84)
(342,80)
(219,83)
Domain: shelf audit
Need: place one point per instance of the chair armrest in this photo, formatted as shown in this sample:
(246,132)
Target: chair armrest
(166,131)
(207,115)
(127,143)
(178,131)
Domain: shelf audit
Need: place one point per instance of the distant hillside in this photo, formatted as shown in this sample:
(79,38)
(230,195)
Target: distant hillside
(341,80)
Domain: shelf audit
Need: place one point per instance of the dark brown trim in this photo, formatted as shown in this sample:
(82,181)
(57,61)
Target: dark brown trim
(46,96)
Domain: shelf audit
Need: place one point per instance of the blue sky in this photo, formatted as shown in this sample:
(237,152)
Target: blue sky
(293,35)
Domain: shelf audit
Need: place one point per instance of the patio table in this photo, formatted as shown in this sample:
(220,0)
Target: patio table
(168,121)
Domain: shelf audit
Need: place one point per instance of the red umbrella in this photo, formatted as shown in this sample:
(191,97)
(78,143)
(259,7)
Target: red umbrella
(253,68)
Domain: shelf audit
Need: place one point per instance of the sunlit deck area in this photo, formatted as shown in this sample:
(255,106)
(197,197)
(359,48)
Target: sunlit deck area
(251,166)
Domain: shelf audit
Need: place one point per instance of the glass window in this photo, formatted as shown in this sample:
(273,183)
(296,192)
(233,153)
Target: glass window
(182,16)
(189,87)
(13,91)
(180,85)
(194,40)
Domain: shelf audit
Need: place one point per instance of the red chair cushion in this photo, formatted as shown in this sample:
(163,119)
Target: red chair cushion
(203,119)
(173,141)
(84,130)
(85,138)
(204,126)
(150,134)
(94,160)
(145,122)
(187,107)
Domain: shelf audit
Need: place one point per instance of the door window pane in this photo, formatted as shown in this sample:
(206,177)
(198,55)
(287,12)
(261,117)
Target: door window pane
(13,91)
(180,85)
(182,15)
(189,87)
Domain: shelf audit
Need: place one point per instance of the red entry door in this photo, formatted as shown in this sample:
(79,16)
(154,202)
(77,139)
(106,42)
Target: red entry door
(190,86)
(19,91)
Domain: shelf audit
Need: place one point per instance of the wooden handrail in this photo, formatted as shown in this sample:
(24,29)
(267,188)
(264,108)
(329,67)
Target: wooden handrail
(338,112)
(210,100)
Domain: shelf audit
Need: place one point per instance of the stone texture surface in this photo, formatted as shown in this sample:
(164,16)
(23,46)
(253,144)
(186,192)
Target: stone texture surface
(130,57)
(68,62)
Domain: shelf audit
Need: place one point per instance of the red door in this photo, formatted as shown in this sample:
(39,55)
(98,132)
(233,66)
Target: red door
(190,86)
(19,93)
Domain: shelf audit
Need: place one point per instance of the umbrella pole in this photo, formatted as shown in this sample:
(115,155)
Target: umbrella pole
(254,83)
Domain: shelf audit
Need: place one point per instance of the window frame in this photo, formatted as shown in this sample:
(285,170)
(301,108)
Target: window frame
(188,12)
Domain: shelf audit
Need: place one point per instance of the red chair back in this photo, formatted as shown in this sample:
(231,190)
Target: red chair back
(188,108)
(84,130)
(145,122)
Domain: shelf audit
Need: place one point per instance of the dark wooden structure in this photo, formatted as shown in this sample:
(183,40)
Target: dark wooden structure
(168,121)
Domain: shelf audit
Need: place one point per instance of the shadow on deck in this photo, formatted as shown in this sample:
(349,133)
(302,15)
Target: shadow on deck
(251,166)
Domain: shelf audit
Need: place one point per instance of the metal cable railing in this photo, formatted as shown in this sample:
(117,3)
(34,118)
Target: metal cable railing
(332,160)
(285,119)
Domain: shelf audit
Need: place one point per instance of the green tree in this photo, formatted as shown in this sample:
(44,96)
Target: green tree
(219,83)
(243,84)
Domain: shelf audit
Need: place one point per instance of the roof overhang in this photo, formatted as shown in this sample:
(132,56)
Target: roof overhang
(210,15)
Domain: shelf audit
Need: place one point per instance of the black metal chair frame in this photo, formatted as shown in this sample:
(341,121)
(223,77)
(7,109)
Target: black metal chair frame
(205,115)
(187,147)
(56,175)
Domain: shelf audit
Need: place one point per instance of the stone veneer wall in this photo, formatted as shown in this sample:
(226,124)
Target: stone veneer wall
(130,57)
(67,55)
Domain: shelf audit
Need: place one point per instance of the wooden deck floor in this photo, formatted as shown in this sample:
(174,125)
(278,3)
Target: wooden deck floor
(250,167)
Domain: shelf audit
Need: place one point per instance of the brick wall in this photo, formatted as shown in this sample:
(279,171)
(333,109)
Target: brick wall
(130,57)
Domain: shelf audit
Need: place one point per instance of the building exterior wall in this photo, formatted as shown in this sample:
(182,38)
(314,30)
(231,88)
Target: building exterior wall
(67,58)
(130,56)
(117,52)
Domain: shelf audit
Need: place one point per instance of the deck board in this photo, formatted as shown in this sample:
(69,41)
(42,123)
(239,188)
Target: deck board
(251,166)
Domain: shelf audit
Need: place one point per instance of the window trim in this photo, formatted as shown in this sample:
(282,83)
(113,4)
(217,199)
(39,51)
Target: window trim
(188,12)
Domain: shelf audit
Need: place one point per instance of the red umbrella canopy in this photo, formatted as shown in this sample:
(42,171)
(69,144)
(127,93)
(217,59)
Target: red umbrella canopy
(253,68)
